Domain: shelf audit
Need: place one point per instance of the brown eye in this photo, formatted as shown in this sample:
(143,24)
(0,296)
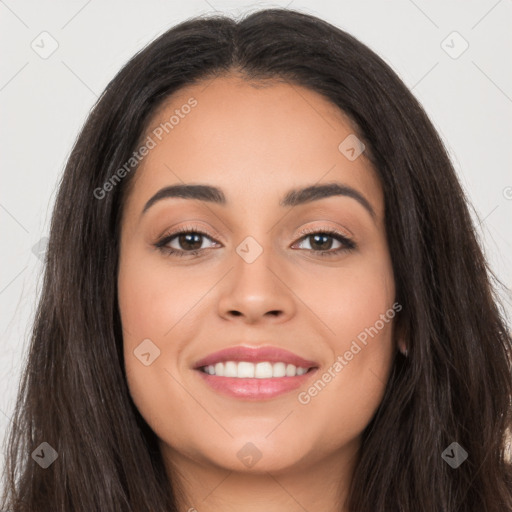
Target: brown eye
(189,241)
(184,242)
(322,242)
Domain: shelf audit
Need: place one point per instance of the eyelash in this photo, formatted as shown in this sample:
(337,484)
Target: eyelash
(347,244)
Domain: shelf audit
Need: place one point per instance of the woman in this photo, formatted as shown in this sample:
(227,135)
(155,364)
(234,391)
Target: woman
(336,345)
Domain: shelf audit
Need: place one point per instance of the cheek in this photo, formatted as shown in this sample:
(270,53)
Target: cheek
(154,297)
(357,307)
(162,302)
(351,298)
(153,306)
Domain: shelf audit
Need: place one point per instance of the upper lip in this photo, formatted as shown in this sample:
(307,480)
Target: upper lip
(255,355)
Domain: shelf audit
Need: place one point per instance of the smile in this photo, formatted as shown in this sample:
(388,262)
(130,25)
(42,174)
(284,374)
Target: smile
(248,370)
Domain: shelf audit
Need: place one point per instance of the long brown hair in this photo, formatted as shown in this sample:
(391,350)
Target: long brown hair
(455,385)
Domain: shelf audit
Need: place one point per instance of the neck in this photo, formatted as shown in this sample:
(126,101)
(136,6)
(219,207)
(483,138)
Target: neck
(320,485)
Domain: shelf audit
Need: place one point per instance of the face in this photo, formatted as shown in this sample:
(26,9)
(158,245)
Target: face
(280,281)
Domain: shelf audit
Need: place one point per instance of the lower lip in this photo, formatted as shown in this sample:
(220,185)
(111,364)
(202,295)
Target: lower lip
(255,389)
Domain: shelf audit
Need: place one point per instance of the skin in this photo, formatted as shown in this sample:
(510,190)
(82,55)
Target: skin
(255,143)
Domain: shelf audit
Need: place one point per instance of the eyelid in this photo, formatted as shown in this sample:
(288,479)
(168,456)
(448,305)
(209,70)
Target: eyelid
(341,231)
(347,242)
(172,232)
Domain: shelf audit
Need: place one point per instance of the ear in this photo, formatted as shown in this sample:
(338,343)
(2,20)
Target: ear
(402,346)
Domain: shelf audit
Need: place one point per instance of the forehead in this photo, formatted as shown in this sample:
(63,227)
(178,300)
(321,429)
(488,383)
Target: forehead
(253,140)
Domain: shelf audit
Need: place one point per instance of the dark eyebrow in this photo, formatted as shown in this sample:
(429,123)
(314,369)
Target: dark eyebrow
(201,192)
(313,193)
(292,198)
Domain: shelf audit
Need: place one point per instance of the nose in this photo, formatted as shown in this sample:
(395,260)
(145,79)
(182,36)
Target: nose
(257,291)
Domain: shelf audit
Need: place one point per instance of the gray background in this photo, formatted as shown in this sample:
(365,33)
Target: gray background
(44,99)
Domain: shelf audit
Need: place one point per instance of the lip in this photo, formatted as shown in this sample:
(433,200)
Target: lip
(253,388)
(255,355)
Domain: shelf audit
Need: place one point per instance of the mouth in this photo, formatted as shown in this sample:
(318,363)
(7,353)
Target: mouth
(248,370)
(254,373)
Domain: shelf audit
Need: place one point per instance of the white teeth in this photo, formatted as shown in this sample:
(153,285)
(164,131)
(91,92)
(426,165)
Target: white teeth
(219,369)
(246,370)
(291,370)
(230,369)
(278,370)
(263,371)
